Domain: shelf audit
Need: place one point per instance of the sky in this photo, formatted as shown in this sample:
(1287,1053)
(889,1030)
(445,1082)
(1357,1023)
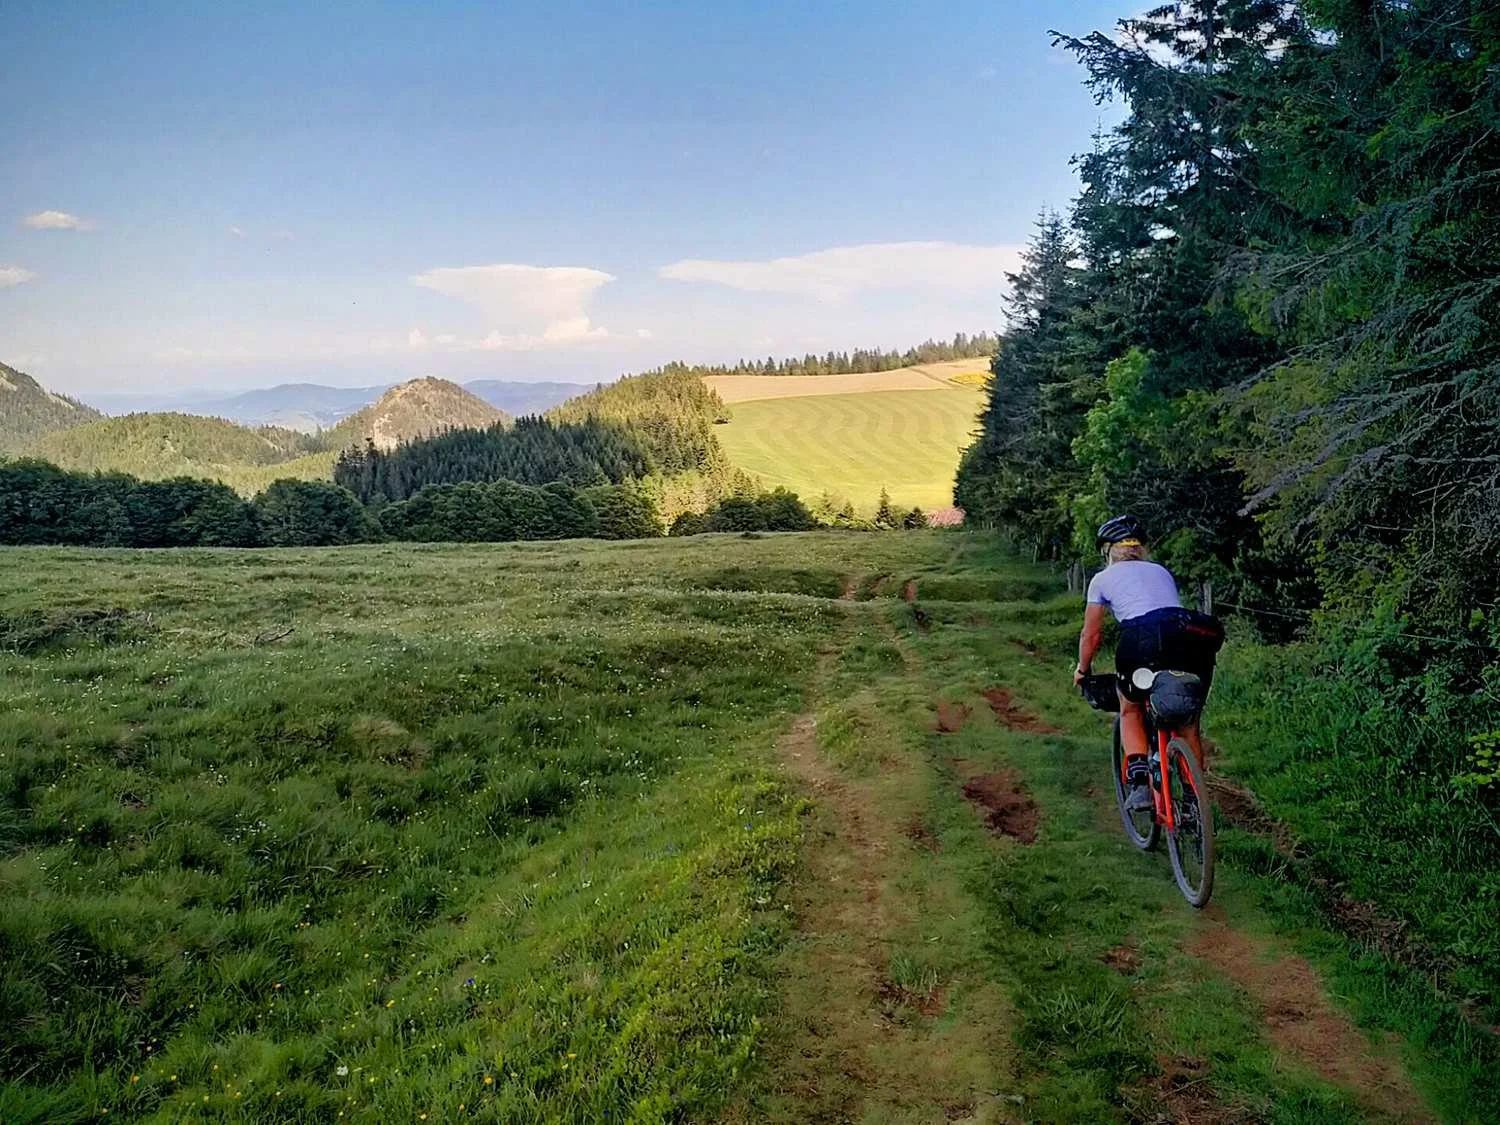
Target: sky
(224,196)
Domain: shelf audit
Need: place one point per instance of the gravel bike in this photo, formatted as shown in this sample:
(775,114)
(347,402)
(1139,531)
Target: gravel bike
(1180,799)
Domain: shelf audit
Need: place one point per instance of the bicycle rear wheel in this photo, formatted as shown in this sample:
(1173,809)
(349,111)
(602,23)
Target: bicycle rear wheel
(1141,828)
(1190,843)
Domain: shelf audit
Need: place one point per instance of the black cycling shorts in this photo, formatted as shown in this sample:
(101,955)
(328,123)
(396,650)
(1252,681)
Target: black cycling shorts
(1171,639)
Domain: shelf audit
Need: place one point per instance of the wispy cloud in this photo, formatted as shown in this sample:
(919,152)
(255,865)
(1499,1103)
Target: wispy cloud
(56,220)
(838,273)
(14,275)
(237,232)
(525,308)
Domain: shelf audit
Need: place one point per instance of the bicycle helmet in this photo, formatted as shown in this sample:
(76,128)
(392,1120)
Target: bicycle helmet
(1117,530)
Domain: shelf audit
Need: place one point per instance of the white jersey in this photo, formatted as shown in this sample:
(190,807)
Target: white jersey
(1134,588)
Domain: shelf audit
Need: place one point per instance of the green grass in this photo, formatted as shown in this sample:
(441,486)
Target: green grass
(855,445)
(256,880)
(503,832)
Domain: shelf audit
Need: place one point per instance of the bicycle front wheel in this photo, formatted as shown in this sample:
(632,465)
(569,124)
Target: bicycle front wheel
(1190,842)
(1141,828)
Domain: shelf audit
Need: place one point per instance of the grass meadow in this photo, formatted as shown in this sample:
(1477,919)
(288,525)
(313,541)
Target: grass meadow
(661,831)
(392,831)
(853,445)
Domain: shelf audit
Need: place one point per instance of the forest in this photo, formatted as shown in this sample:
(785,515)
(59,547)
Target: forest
(42,505)
(532,451)
(859,361)
(1267,329)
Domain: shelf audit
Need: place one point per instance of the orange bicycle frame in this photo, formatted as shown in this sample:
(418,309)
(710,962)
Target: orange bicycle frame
(1166,782)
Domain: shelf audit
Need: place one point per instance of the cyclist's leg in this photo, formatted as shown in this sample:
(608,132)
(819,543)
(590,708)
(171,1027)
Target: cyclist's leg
(1193,733)
(1137,649)
(1133,727)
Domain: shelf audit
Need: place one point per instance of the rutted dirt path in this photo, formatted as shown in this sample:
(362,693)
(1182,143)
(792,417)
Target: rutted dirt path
(1301,1022)
(898,739)
(870,1039)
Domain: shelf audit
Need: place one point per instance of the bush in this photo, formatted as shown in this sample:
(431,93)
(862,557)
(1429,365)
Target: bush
(914,519)
(624,512)
(301,513)
(781,510)
(689,523)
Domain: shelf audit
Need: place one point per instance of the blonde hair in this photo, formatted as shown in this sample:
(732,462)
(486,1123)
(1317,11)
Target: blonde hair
(1127,550)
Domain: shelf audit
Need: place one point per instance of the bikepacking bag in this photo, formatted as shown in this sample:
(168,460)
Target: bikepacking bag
(1175,697)
(1100,692)
(1204,630)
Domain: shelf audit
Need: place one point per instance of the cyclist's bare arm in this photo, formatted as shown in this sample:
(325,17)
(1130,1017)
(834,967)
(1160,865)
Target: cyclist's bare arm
(1089,640)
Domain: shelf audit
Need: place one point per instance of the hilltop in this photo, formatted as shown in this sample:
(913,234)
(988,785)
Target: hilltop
(28,410)
(156,446)
(413,410)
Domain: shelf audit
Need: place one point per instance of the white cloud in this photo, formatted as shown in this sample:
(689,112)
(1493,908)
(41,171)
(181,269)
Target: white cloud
(14,275)
(525,308)
(56,220)
(840,272)
(236,232)
(645,334)
(416,338)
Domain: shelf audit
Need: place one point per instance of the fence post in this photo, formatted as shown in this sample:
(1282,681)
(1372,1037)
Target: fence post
(1206,596)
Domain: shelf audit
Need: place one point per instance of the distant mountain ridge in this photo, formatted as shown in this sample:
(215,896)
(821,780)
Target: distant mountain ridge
(160,444)
(310,407)
(29,411)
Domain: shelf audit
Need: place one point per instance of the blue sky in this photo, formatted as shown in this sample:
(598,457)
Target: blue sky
(234,195)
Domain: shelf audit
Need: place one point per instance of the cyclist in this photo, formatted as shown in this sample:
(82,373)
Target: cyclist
(1155,632)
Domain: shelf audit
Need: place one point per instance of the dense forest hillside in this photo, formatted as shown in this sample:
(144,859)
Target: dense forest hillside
(1267,329)
(671,412)
(413,410)
(28,410)
(156,446)
(533,451)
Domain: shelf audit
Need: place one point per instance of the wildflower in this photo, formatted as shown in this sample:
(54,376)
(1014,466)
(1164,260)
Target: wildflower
(469,983)
(390,1003)
(342,1071)
(135,1078)
(489,1079)
(572,1054)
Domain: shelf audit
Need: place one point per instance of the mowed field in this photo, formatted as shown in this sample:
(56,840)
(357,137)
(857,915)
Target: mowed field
(927,377)
(853,445)
(732,828)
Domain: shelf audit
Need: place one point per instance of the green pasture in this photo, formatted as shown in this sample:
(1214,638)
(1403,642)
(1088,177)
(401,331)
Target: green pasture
(668,830)
(854,445)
